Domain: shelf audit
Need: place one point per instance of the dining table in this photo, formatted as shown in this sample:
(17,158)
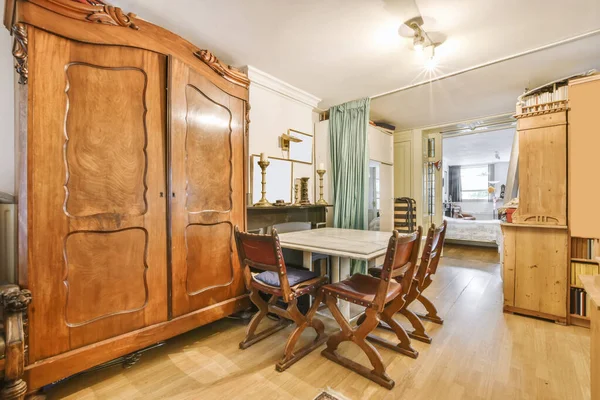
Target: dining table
(342,245)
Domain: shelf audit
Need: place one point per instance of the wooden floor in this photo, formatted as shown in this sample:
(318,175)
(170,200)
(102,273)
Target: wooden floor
(479,353)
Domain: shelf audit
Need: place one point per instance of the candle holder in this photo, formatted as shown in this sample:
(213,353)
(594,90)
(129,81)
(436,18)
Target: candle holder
(321,200)
(304,190)
(263,202)
(297,192)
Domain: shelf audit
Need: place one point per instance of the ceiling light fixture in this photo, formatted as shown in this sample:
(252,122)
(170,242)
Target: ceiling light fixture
(419,43)
(422,39)
(431,63)
(418,39)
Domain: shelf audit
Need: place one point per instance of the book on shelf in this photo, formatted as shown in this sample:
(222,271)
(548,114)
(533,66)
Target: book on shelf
(584,248)
(578,268)
(580,302)
(558,94)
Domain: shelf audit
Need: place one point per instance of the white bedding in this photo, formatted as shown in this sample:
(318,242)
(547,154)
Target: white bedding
(487,231)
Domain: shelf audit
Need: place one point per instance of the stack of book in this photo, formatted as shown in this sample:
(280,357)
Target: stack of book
(578,268)
(580,302)
(549,97)
(583,248)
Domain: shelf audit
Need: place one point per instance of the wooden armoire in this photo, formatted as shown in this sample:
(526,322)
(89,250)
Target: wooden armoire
(131,158)
(535,263)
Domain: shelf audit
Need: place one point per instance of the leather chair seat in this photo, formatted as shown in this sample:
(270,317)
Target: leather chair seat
(375,271)
(295,276)
(361,289)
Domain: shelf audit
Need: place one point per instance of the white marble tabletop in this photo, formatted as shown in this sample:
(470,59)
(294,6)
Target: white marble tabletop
(350,243)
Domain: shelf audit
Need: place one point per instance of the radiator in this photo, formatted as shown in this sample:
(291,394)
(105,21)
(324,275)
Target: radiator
(7,243)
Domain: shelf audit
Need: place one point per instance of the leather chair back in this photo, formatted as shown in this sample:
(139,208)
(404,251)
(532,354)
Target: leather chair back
(261,252)
(432,252)
(400,260)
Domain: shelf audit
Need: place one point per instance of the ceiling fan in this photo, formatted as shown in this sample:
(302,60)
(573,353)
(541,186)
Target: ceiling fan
(420,28)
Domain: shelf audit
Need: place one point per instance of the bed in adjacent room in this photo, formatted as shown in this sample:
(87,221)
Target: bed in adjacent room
(474,232)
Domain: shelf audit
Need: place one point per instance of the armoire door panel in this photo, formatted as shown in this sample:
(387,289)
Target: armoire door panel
(107,269)
(209,262)
(97,178)
(105,150)
(207,153)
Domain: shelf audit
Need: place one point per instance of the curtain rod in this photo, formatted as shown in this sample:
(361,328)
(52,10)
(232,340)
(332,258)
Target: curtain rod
(489,63)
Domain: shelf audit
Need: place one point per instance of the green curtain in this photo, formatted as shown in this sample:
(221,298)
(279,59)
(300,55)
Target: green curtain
(350,166)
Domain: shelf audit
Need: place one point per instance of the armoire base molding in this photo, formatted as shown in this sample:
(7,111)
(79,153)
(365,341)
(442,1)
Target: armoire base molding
(64,365)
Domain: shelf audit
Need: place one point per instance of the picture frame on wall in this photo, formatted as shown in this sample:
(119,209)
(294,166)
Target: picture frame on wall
(302,151)
(280,174)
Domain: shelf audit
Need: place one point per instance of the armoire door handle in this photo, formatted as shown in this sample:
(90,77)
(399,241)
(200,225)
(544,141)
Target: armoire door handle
(162,194)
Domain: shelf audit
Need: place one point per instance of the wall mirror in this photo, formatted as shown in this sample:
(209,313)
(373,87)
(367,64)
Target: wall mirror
(279,180)
(301,151)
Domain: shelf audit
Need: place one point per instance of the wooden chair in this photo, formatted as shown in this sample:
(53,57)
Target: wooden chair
(263,253)
(427,268)
(382,298)
(423,278)
(295,257)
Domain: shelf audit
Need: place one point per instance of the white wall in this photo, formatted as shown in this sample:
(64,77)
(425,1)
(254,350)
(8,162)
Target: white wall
(7,168)
(275,108)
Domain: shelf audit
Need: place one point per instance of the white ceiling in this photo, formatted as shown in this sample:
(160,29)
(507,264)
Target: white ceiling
(340,50)
(478,148)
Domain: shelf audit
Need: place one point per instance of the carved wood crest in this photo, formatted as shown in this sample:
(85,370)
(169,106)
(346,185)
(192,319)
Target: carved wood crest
(20,51)
(226,71)
(90,10)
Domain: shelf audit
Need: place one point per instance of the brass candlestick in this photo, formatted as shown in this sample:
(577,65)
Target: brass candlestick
(263,202)
(321,200)
(304,191)
(297,192)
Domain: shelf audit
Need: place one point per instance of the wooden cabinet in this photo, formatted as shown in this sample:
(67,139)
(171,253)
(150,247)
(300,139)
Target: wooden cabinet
(131,163)
(584,142)
(535,262)
(535,270)
(97,229)
(542,170)
(207,155)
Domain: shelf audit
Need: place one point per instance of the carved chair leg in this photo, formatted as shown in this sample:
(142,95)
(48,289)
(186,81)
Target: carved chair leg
(358,335)
(263,309)
(290,357)
(432,312)
(404,345)
(418,333)
(387,316)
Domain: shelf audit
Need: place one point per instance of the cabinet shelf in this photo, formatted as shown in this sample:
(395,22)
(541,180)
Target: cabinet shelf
(579,320)
(586,260)
(580,317)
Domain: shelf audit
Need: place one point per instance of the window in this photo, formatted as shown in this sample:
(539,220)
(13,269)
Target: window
(474,180)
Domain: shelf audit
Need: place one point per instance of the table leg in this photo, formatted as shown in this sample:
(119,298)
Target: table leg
(344,268)
(307,260)
(335,269)
(344,306)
